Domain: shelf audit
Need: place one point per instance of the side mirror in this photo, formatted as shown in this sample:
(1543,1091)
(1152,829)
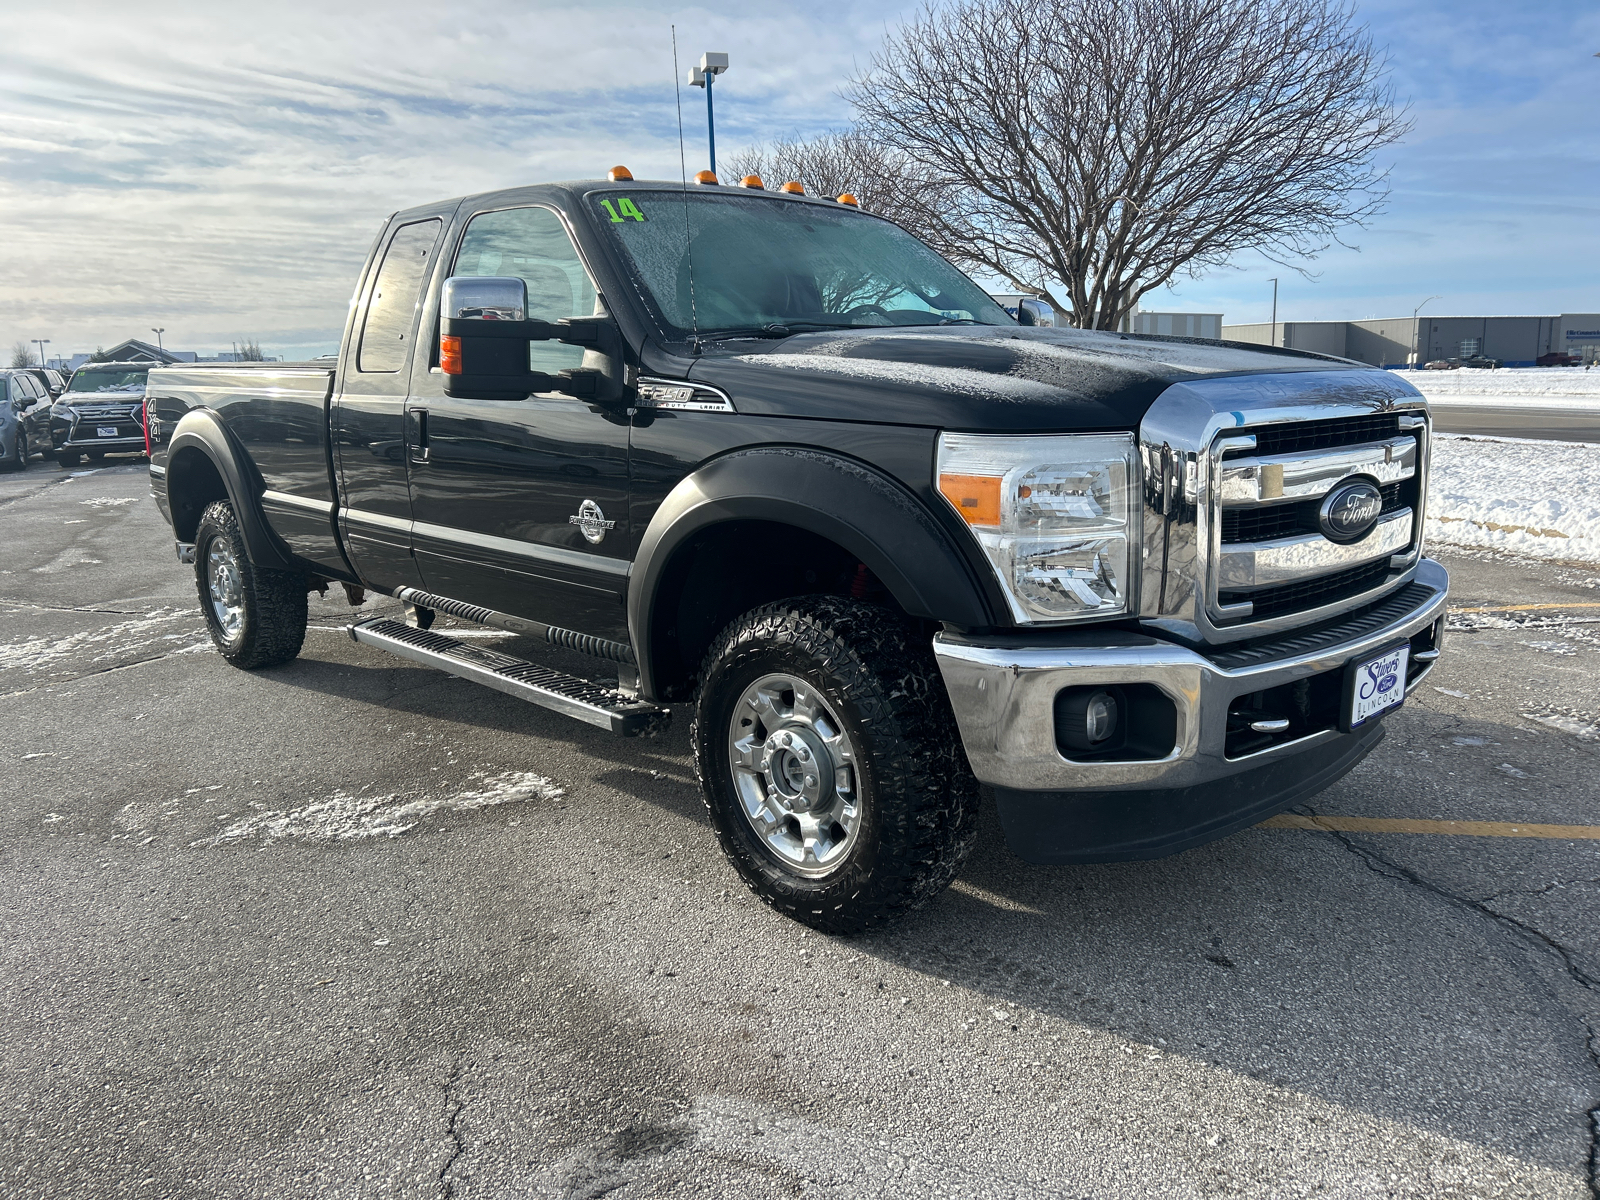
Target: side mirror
(483,345)
(1035,312)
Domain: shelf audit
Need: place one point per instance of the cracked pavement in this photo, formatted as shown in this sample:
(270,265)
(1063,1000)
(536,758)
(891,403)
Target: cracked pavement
(545,981)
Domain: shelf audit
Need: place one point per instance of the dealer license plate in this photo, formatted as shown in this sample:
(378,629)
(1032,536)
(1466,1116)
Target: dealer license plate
(105,431)
(1375,685)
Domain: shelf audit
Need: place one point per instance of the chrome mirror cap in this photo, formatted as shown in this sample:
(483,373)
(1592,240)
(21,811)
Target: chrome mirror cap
(484,298)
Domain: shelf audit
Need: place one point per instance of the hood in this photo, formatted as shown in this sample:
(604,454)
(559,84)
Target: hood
(998,378)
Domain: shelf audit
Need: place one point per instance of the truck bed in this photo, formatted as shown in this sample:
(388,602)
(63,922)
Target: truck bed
(279,413)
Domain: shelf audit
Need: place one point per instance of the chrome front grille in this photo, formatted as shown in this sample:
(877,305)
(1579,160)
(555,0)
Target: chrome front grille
(106,412)
(1236,470)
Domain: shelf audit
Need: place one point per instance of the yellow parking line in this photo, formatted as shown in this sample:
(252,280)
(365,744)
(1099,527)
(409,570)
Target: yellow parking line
(1458,828)
(1524,607)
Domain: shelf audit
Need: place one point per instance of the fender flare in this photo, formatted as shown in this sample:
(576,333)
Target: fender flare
(870,515)
(203,430)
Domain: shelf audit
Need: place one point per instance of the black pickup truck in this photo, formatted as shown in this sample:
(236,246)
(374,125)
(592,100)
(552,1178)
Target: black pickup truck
(769,453)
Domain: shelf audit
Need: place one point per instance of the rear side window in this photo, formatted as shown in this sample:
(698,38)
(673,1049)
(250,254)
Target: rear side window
(532,244)
(386,333)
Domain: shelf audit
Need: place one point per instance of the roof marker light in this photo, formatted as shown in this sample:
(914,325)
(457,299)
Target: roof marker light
(620,175)
(705,176)
(752,181)
(794,188)
(847,198)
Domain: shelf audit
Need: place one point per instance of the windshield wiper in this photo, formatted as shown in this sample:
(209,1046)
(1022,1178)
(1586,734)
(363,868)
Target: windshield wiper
(783,329)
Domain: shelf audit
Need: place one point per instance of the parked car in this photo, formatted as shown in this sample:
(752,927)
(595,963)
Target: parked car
(889,541)
(1481,362)
(100,413)
(1440,364)
(1557,359)
(52,379)
(24,418)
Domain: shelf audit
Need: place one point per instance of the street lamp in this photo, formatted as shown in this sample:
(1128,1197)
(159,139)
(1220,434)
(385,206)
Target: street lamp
(1273,340)
(41,343)
(158,333)
(1416,335)
(711,65)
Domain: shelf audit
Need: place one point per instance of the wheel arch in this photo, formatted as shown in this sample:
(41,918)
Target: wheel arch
(204,463)
(830,510)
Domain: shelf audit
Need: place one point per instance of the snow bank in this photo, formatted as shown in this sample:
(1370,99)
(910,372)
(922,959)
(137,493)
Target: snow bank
(1539,499)
(1543,383)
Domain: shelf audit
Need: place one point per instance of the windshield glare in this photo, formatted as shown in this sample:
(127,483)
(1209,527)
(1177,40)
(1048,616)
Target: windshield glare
(109,381)
(760,261)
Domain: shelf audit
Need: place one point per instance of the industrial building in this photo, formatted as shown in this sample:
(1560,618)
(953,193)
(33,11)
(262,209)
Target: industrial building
(1175,324)
(1408,341)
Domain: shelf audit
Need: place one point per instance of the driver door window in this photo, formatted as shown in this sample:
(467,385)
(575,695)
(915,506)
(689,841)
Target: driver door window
(532,245)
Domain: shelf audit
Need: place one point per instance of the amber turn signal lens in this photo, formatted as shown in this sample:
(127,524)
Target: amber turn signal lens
(976,497)
(620,175)
(847,198)
(793,188)
(751,181)
(705,176)
(450,355)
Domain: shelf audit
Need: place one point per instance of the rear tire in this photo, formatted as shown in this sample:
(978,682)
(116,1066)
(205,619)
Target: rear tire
(67,458)
(256,616)
(831,763)
(18,458)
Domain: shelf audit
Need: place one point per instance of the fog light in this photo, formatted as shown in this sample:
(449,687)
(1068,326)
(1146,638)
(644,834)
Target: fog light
(1089,718)
(1100,717)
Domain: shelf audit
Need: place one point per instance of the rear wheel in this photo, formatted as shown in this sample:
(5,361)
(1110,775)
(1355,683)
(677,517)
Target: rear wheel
(256,616)
(831,764)
(67,458)
(18,457)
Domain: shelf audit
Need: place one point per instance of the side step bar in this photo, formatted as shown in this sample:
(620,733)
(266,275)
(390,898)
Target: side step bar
(548,688)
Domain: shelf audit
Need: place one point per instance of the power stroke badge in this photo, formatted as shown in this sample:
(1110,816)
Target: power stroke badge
(592,522)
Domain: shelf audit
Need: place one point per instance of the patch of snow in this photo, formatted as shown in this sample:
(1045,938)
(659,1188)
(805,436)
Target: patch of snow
(343,816)
(1582,729)
(85,646)
(1551,647)
(1451,692)
(1537,499)
(109,501)
(1542,382)
(1512,771)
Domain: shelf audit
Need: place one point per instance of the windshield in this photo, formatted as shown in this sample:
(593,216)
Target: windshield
(109,381)
(762,261)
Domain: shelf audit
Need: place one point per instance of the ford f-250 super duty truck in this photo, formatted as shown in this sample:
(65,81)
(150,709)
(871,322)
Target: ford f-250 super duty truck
(769,452)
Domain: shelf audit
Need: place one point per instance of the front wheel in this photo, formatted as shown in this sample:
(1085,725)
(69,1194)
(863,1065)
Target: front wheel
(67,458)
(18,458)
(256,616)
(831,763)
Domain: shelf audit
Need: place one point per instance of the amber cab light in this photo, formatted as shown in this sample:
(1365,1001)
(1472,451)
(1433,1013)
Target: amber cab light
(620,175)
(751,181)
(793,188)
(847,198)
(705,176)
(976,497)
(450,355)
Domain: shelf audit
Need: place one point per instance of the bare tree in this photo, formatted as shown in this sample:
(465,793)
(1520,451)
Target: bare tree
(1114,145)
(250,351)
(830,165)
(21,354)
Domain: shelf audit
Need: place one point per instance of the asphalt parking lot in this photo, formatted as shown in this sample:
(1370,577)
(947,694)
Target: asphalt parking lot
(354,928)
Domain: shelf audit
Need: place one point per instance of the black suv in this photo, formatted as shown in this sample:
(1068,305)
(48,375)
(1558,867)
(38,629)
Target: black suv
(100,413)
(24,418)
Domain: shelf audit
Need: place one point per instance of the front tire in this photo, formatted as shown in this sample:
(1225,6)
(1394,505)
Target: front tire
(256,616)
(18,458)
(831,764)
(67,458)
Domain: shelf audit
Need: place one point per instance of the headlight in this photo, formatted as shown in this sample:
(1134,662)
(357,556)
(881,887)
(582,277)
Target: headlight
(64,410)
(1053,515)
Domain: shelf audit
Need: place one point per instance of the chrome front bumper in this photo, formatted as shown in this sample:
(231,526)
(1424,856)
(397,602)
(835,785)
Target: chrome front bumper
(1003,691)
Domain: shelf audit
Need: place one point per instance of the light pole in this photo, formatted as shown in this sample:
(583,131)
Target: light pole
(711,65)
(41,343)
(158,333)
(1416,335)
(1273,340)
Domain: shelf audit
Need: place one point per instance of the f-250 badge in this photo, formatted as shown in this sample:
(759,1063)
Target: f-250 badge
(592,521)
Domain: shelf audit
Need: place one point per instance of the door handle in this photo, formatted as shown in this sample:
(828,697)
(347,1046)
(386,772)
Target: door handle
(419,450)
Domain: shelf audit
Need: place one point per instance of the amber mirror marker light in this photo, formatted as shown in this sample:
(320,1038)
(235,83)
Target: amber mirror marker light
(620,175)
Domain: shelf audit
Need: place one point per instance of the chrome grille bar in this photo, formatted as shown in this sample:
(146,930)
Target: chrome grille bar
(1277,477)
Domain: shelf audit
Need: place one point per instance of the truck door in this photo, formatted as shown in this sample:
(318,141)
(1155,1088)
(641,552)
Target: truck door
(522,505)
(369,410)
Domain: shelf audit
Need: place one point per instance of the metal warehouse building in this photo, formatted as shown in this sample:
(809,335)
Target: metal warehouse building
(1404,341)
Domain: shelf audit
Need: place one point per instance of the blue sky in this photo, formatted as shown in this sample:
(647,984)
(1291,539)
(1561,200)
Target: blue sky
(220,169)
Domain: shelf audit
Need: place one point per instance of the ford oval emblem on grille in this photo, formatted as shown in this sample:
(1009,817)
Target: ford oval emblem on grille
(1350,511)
